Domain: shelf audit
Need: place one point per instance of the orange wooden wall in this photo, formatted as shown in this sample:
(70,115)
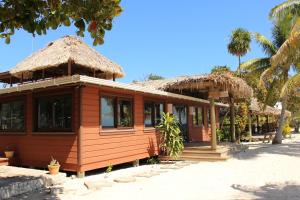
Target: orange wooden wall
(96,147)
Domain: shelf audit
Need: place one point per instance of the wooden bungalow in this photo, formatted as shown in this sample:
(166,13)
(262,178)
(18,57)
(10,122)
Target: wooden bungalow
(63,101)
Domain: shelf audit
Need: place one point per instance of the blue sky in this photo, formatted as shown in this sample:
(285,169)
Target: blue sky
(168,37)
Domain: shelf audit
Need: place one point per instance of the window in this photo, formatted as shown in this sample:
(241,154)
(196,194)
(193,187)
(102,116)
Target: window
(152,113)
(116,112)
(12,116)
(54,113)
(197,116)
(125,113)
(108,112)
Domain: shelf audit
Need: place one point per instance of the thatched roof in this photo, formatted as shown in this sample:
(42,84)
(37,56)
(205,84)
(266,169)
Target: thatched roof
(60,52)
(235,86)
(259,108)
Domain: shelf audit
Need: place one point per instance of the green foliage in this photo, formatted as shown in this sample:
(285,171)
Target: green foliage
(38,16)
(53,162)
(154,77)
(220,69)
(287,130)
(241,119)
(239,43)
(223,134)
(171,142)
(109,168)
(153,160)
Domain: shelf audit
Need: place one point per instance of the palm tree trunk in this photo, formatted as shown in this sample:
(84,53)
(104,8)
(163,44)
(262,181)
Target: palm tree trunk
(278,137)
(239,67)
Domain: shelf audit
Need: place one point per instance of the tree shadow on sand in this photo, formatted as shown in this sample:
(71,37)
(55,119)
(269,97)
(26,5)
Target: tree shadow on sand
(281,149)
(282,191)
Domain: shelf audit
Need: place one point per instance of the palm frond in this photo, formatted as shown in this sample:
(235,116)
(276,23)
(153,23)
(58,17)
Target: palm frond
(290,85)
(289,52)
(255,65)
(267,46)
(283,8)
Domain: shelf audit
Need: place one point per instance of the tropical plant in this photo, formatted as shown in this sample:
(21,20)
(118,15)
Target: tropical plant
(53,162)
(38,16)
(239,44)
(109,169)
(223,134)
(220,69)
(287,130)
(171,140)
(253,69)
(153,160)
(241,119)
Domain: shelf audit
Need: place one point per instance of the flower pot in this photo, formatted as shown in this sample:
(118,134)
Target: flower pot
(53,169)
(9,154)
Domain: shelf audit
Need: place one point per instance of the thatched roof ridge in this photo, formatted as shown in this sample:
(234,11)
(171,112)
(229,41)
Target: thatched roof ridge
(236,87)
(60,52)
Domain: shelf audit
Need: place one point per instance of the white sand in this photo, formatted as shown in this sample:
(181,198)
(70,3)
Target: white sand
(263,172)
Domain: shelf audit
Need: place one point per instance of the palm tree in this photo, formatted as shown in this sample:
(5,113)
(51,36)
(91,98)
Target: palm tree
(239,44)
(253,69)
(287,57)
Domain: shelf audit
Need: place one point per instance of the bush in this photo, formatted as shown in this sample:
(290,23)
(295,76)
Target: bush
(171,142)
(223,134)
(286,130)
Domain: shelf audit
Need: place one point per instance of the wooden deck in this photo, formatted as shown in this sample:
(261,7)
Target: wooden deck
(202,152)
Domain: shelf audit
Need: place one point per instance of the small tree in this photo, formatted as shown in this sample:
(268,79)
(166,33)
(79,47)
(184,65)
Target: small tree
(171,141)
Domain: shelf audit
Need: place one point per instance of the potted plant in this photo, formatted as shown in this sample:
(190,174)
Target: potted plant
(53,166)
(9,153)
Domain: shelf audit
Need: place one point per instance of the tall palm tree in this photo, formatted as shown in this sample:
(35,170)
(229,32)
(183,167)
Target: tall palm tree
(239,44)
(287,57)
(253,69)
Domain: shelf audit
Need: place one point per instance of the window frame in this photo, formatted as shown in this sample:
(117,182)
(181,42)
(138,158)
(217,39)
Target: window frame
(152,103)
(52,130)
(18,99)
(117,99)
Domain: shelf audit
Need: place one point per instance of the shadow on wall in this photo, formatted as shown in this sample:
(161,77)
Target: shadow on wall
(280,149)
(287,190)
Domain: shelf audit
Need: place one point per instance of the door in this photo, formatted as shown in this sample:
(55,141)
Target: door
(180,111)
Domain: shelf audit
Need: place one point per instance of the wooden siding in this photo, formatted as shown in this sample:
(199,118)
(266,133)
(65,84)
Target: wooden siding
(35,149)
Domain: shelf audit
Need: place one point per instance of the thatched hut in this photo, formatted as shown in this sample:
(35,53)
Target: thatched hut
(221,86)
(66,56)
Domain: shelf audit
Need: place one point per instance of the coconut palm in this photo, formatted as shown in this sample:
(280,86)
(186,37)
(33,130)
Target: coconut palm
(252,69)
(239,44)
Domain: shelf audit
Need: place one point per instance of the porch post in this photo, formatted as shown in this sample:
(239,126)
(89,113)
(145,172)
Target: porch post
(232,119)
(250,125)
(213,124)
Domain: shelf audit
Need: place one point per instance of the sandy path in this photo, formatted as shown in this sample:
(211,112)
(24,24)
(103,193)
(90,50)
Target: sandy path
(262,172)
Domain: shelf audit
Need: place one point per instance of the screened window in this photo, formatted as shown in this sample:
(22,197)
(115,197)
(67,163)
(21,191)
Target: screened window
(54,113)
(108,111)
(152,113)
(197,116)
(116,112)
(12,116)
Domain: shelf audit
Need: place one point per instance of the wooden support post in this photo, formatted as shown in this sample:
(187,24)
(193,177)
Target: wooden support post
(250,125)
(43,74)
(69,67)
(232,120)
(136,163)
(22,77)
(10,80)
(257,123)
(80,174)
(94,73)
(213,124)
(114,77)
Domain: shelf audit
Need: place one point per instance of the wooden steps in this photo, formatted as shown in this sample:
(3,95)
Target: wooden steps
(3,161)
(202,153)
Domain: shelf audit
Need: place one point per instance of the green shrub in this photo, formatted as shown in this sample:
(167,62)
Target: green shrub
(286,130)
(171,141)
(223,134)
(153,160)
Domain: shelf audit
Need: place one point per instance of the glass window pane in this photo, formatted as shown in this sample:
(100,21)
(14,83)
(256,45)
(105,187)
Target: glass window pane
(107,112)
(148,114)
(12,116)
(125,113)
(54,113)
(195,116)
(158,110)
(200,118)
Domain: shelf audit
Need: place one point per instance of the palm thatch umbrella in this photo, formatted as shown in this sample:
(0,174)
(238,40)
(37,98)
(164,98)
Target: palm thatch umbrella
(67,51)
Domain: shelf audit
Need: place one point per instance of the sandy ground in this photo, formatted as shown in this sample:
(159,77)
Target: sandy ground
(263,172)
